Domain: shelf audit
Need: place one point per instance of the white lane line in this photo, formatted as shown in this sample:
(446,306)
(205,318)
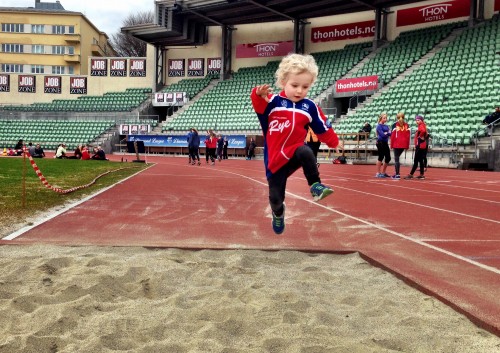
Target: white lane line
(393,184)
(421,205)
(447,182)
(400,235)
(23,230)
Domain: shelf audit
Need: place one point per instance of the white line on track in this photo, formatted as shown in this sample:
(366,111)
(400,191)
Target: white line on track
(400,235)
(394,184)
(67,207)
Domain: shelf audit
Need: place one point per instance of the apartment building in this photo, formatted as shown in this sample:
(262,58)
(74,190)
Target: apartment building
(47,39)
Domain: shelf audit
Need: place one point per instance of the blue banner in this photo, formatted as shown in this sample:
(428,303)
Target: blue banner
(234,141)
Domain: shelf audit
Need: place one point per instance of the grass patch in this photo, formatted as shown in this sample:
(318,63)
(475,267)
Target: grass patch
(63,174)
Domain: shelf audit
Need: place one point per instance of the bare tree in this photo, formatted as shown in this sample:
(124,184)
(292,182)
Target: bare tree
(127,45)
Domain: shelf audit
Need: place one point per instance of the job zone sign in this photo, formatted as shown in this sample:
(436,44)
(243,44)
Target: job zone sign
(118,67)
(27,84)
(137,68)
(98,67)
(4,83)
(196,67)
(52,84)
(78,85)
(176,68)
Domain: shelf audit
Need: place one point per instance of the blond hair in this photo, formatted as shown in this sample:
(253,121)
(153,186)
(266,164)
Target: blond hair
(400,115)
(382,116)
(295,64)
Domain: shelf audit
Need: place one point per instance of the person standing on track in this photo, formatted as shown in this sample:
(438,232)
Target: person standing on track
(384,152)
(420,141)
(285,118)
(400,141)
(210,146)
(194,146)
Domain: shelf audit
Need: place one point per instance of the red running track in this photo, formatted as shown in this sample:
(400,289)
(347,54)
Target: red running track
(441,235)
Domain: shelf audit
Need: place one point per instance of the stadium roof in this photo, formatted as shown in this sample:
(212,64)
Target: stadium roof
(203,13)
(234,12)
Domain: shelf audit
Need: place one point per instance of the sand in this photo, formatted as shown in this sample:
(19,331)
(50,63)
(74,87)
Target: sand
(111,299)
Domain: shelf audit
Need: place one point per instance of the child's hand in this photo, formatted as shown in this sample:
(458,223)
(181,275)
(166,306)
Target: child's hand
(264,91)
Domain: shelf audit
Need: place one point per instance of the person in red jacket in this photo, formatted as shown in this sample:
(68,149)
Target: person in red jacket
(420,141)
(285,119)
(210,146)
(85,153)
(400,141)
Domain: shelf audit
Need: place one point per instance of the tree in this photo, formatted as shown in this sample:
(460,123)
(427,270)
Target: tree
(127,45)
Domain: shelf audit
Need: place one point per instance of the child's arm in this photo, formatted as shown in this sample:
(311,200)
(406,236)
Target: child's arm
(260,97)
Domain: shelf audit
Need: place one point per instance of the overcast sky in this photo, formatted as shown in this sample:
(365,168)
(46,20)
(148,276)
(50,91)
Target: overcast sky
(106,15)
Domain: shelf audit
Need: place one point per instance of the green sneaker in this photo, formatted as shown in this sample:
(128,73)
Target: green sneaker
(320,191)
(279,222)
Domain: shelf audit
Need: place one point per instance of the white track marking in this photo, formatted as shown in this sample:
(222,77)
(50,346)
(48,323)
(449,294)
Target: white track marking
(23,230)
(393,184)
(421,205)
(400,235)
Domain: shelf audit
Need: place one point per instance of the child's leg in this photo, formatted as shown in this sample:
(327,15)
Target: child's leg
(277,187)
(304,156)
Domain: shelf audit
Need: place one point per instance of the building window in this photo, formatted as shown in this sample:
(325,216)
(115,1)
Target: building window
(58,49)
(58,29)
(37,28)
(12,68)
(71,29)
(12,48)
(71,50)
(13,27)
(37,49)
(37,69)
(58,70)
(71,70)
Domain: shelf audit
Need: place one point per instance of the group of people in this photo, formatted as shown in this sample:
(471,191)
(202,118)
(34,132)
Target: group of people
(399,136)
(215,147)
(81,152)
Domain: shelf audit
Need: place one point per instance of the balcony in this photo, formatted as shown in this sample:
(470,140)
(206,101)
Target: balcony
(96,50)
(72,58)
(72,38)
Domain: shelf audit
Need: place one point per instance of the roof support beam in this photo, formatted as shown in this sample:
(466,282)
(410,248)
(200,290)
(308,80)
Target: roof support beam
(269,9)
(187,9)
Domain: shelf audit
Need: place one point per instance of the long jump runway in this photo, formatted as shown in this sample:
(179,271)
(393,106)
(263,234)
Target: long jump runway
(440,235)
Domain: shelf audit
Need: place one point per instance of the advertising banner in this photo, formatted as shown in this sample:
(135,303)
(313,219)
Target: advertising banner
(196,67)
(126,129)
(433,13)
(137,68)
(176,68)
(78,85)
(169,99)
(343,31)
(26,84)
(234,141)
(52,84)
(214,66)
(99,67)
(497,6)
(270,49)
(118,67)
(365,83)
(4,83)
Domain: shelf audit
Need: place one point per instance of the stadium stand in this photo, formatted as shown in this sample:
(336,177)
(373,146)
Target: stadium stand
(191,86)
(50,133)
(227,107)
(454,89)
(128,100)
